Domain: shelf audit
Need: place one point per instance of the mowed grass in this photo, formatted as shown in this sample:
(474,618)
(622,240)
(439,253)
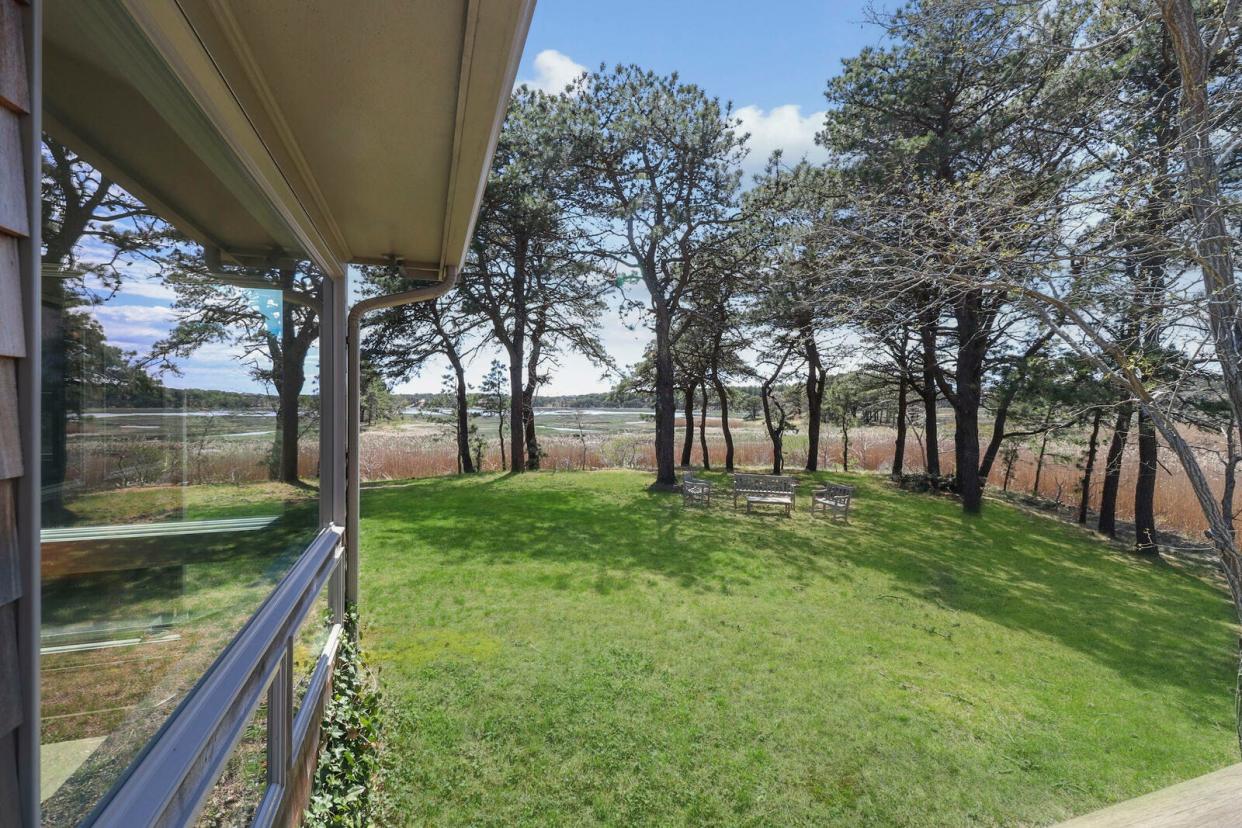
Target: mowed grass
(572,649)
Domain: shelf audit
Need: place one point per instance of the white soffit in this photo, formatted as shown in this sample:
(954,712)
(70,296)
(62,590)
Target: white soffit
(347,132)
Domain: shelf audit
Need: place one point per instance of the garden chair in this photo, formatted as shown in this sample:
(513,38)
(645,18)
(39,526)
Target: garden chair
(695,491)
(833,501)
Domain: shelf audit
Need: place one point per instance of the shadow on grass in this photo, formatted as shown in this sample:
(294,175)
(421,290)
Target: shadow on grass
(1151,623)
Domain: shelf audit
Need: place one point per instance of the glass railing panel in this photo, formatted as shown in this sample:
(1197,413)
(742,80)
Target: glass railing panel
(180,457)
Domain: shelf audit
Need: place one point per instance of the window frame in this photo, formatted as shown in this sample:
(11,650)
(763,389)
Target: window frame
(170,779)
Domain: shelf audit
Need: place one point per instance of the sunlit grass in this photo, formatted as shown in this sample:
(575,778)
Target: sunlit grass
(204,502)
(570,648)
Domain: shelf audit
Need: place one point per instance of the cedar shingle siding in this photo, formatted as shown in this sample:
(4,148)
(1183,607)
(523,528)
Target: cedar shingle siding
(14,226)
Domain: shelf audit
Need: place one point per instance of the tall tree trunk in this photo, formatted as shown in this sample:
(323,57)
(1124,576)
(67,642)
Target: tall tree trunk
(1006,397)
(462,405)
(707,463)
(1215,260)
(665,397)
(967,399)
(845,443)
(1150,275)
(517,409)
(516,346)
(899,449)
(59,241)
(687,444)
(1039,461)
(295,341)
(290,391)
(500,427)
(722,393)
(1084,499)
(815,382)
(55,401)
(1231,474)
(1107,524)
(534,454)
(966,449)
(998,432)
(776,429)
(931,430)
(1145,488)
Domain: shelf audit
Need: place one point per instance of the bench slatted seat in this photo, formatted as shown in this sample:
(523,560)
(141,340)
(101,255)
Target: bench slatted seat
(833,500)
(764,489)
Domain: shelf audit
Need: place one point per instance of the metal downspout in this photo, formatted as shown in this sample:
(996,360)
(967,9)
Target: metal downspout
(353,487)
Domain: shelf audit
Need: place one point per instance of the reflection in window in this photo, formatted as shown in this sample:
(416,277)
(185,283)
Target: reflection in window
(180,451)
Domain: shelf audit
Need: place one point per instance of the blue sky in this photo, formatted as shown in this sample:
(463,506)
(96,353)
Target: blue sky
(770,59)
(751,52)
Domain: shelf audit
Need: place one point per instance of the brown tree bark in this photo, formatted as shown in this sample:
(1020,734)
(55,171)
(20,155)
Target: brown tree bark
(816,378)
(504,458)
(966,396)
(775,424)
(931,430)
(529,434)
(1231,474)
(1214,244)
(516,346)
(1084,500)
(1007,395)
(722,393)
(687,444)
(1145,488)
(290,379)
(461,404)
(899,449)
(534,455)
(1044,434)
(287,415)
(665,396)
(707,463)
(511,333)
(1107,524)
(59,240)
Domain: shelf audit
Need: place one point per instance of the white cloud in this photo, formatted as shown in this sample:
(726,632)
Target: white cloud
(134,283)
(131,313)
(148,289)
(784,128)
(554,71)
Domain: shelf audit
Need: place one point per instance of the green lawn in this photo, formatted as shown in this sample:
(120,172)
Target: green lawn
(571,649)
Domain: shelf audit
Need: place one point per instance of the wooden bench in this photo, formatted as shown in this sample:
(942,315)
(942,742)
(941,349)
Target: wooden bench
(833,500)
(764,489)
(695,491)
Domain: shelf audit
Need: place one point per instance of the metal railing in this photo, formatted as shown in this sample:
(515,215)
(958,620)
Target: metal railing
(169,783)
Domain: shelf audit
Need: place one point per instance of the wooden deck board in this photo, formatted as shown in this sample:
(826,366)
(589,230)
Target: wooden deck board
(1211,801)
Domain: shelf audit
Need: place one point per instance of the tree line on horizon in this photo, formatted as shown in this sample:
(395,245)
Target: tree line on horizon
(983,152)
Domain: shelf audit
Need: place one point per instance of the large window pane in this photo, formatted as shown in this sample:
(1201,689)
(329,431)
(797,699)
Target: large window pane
(180,451)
